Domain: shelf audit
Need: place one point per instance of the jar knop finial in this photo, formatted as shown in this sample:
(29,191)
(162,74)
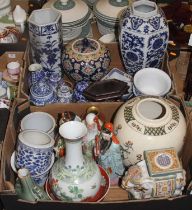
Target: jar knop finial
(64,2)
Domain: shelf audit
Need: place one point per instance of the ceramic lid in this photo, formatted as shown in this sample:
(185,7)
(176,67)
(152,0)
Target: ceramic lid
(109,8)
(72,11)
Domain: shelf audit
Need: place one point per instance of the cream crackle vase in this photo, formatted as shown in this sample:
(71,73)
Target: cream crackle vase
(73,177)
(148,123)
(143,36)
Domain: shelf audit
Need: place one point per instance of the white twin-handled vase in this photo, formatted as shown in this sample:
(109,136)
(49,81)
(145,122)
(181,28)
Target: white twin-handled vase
(147,123)
(73,177)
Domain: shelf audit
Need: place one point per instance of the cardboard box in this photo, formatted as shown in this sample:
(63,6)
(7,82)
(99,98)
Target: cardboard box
(116,197)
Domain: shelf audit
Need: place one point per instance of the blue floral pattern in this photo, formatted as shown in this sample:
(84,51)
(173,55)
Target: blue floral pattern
(47,46)
(36,161)
(143,41)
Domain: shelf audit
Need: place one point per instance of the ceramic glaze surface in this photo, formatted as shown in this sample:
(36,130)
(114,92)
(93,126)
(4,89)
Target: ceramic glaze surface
(86,59)
(42,93)
(46,39)
(107,14)
(148,123)
(74,177)
(143,36)
(34,151)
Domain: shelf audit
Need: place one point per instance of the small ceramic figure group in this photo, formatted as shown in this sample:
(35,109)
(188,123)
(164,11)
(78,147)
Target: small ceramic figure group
(159,175)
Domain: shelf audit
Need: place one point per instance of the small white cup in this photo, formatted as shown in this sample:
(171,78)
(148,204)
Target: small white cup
(13,69)
(151,81)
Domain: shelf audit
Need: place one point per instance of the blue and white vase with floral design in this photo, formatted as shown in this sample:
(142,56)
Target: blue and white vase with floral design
(78,91)
(86,59)
(143,36)
(45,37)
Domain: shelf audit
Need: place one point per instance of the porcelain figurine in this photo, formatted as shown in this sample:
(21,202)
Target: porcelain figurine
(148,123)
(74,177)
(26,189)
(45,37)
(108,153)
(86,59)
(93,125)
(159,175)
(143,36)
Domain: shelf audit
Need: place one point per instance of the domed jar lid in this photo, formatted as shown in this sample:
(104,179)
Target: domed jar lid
(109,9)
(74,12)
(41,93)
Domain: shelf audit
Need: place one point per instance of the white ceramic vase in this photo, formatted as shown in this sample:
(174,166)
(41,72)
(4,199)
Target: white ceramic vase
(73,177)
(146,123)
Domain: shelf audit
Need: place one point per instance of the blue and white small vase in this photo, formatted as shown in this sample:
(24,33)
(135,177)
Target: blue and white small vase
(42,93)
(64,94)
(143,36)
(78,91)
(54,80)
(45,37)
(36,73)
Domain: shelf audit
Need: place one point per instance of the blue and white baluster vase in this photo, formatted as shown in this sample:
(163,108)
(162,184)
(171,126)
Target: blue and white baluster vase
(45,37)
(143,36)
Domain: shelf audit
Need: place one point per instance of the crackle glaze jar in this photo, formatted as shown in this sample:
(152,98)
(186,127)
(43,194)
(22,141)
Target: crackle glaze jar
(143,36)
(145,123)
(74,177)
(86,59)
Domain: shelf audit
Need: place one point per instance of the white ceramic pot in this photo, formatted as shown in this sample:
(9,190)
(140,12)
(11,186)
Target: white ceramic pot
(107,13)
(146,123)
(39,121)
(151,81)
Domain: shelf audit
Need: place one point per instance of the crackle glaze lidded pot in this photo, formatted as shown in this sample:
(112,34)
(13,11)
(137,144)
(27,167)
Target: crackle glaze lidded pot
(143,36)
(73,177)
(86,59)
(146,123)
(76,17)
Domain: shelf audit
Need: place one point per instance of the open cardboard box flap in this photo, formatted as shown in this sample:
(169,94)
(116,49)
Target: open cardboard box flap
(116,197)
